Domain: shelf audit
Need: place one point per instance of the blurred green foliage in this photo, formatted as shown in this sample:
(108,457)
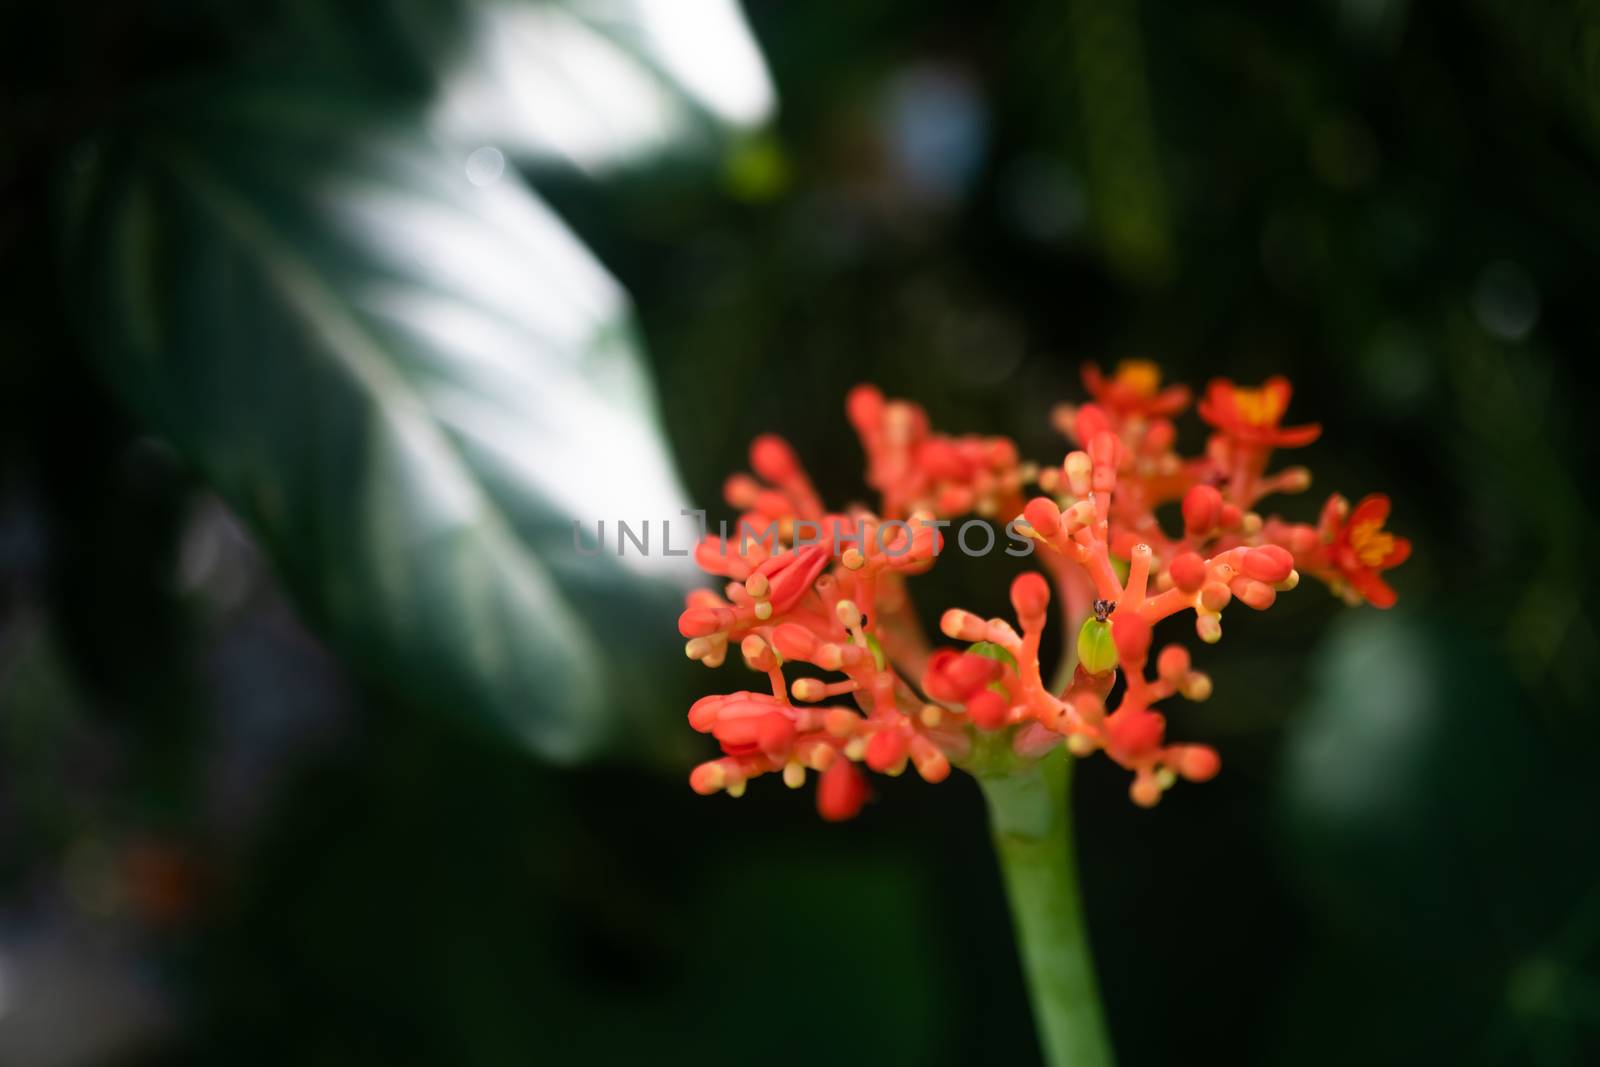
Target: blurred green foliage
(1395,203)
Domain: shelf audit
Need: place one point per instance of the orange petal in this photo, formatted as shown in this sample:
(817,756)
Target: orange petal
(1397,554)
(1374,508)
(1373,590)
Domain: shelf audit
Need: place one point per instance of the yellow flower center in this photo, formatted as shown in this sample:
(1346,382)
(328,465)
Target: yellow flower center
(1258,407)
(1140,375)
(1370,543)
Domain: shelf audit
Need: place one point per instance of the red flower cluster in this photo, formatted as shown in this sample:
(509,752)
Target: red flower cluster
(807,587)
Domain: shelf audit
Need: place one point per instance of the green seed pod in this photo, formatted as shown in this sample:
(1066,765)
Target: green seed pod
(990,650)
(1097,652)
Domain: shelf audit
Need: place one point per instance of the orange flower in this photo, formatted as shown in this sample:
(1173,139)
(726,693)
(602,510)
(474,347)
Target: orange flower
(1361,547)
(1135,389)
(1251,416)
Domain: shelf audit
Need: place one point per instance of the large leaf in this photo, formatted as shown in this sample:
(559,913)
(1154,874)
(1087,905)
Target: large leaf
(407,383)
(598,83)
(587,84)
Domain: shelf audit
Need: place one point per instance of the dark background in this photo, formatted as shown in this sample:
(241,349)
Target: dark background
(221,842)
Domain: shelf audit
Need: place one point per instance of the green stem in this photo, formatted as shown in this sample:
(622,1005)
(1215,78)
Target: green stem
(1028,813)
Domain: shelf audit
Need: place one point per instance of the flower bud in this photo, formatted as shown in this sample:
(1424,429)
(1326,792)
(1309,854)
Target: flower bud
(1043,515)
(794,641)
(962,625)
(703,712)
(1201,506)
(1145,791)
(1030,596)
(708,778)
(775,734)
(863,406)
(953,676)
(885,749)
(1253,594)
(1079,468)
(1089,423)
(932,764)
(808,690)
(1198,763)
(987,710)
(1135,732)
(1188,571)
(757,653)
(841,722)
(699,622)
(1269,563)
(773,458)
(1160,436)
(1173,663)
(1214,596)
(1196,686)
(841,792)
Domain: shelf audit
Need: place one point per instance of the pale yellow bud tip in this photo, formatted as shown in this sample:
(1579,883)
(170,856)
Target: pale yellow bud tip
(1196,687)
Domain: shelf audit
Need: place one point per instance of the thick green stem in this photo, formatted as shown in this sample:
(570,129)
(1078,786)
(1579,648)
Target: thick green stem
(1032,827)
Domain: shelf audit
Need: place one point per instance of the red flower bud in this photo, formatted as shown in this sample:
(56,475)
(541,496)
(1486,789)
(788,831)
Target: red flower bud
(863,406)
(1269,563)
(1135,732)
(699,622)
(841,791)
(1173,663)
(953,676)
(1188,571)
(1043,515)
(790,575)
(887,748)
(775,735)
(987,709)
(1089,423)
(794,641)
(1202,505)
(1030,597)
(773,458)
(1198,763)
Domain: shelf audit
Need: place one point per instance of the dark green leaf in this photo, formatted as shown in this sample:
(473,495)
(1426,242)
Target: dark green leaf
(598,83)
(409,386)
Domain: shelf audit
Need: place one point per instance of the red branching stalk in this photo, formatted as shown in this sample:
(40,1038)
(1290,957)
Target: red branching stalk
(828,589)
